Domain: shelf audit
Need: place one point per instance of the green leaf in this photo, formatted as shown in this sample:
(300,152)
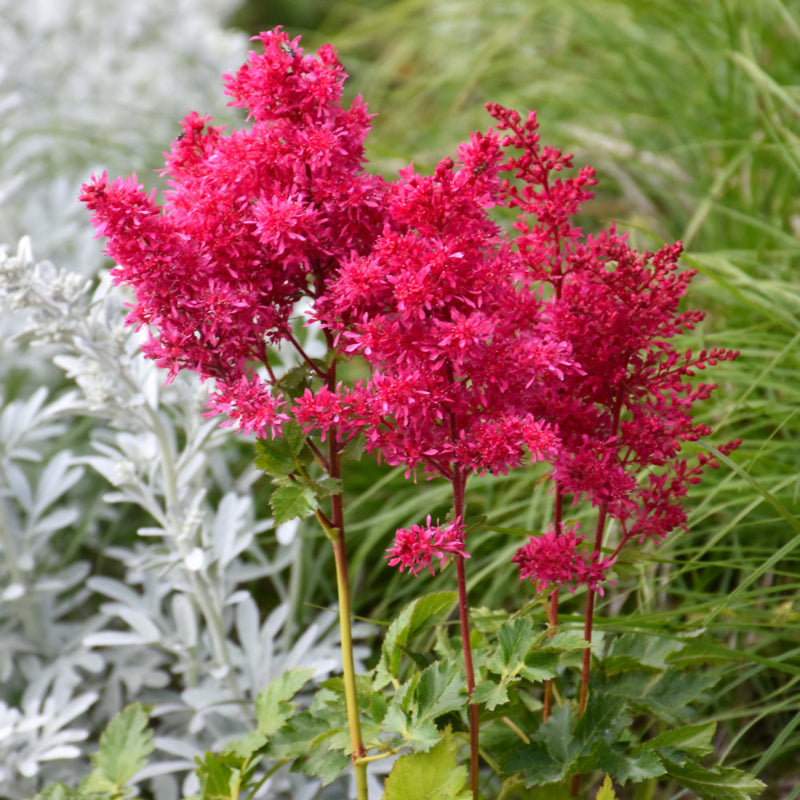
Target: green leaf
(272,706)
(245,746)
(490,694)
(308,738)
(649,651)
(606,791)
(290,502)
(512,659)
(427,695)
(515,639)
(665,696)
(540,665)
(536,765)
(441,689)
(295,380)
(717,783)
(325,487)
(220,777)
(59,791)
(556,734)
(275,457)
(696,740)
(124,747)
(604,719)
(417,616)
(353,449)
(566,640)
(640,765)
(434,775)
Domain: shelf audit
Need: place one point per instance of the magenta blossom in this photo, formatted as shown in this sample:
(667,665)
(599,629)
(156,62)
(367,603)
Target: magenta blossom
(554,561)
(457,351)
(626,411)
(416,547)
(253,221)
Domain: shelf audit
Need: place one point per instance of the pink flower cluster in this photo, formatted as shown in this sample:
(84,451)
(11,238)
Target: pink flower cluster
(486,348)
(553,561)
(252,222)
(457,348)
(416,547)
(627,410)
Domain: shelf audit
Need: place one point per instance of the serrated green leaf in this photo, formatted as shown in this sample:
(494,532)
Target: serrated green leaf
(307,738)
(441,688)
(272,704)
(434,775)
(666,696)
(556,734)
(220,776)
(606,791)
(295,380)
(325,487)
(422,735)
(275,457)
(717,783)
(124,746)
(650,651)
(291,502)
(516,638)
(490,694)
(536,765)
(59,791)
(245,746)
(637,766)
(417,616)
(427,695)
(540,665)
(696,740)
(292,434)
(566,640)
(353,449)
(604,719)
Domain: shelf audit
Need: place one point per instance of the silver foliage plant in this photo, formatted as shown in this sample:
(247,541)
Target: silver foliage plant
(89,84)
(164,615)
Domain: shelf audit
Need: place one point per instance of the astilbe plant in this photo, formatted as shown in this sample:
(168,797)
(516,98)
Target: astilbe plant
(457,352)
(625,414)
(486,349)
(253,223)
(482,345)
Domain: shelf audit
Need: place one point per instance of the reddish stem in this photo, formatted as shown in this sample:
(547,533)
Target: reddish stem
(587,633)
(552,610)
(459,485)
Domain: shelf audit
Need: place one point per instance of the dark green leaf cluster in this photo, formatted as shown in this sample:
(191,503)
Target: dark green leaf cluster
(288,462)
(638,725)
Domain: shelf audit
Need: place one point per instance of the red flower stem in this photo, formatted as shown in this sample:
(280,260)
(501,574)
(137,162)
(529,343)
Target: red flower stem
(459,486)
(552,610)
(310,363)
(588,618)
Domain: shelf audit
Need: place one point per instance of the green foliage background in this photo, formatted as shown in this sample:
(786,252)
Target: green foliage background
(690,113)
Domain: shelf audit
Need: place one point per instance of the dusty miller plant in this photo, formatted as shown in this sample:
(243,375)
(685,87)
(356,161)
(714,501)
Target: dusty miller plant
(177,626)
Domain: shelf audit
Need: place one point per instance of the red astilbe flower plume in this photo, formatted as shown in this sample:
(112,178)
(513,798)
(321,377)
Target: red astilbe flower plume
(253,220)
(628,410)
(554,561)
(455,347)
(416,547)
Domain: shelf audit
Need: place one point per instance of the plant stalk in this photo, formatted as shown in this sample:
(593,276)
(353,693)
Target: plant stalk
(337,538)
(588,620)
(459,486)
(552,609)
